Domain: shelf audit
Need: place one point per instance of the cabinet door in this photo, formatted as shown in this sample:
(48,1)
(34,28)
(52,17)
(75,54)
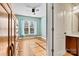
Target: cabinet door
(78,46)
(3,32)
(71,45)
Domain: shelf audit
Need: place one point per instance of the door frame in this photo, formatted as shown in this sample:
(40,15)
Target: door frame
(49,29)
(11,46)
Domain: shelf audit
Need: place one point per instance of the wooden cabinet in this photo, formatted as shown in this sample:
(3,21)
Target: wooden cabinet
(72,45)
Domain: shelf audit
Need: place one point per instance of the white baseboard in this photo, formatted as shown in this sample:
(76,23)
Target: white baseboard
(44,38)
(38,36)
(59,53)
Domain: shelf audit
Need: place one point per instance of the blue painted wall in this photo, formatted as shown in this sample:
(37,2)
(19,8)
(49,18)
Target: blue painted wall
(21,24)
(43,27)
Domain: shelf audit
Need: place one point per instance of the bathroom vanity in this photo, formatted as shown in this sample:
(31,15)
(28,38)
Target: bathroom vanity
(72,29)
(72,44)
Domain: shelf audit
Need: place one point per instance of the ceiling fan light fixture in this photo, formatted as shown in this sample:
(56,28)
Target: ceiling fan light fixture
(33,10)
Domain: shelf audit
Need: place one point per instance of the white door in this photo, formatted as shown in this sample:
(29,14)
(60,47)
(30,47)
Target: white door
(59,36)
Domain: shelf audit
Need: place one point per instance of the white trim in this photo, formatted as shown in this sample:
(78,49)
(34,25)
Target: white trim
(38,36)
(48,28)
(43,37)
(59,53)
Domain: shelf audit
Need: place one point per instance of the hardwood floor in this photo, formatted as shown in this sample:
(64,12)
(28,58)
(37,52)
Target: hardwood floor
(32,47)
(3,46)
(27,47)
(68,54)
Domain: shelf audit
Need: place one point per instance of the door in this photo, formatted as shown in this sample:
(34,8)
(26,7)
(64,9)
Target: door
(59,37)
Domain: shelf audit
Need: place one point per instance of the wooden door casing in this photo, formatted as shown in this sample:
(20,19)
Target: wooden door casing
(11,39)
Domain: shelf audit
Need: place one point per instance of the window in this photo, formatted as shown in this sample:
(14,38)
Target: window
(26,29)
(30,27)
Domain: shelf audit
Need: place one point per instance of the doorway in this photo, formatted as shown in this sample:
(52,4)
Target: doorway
(32,32)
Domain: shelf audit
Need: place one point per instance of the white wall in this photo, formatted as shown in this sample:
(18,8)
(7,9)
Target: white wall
(75,21)
(71,19)
(43,21)
(75,24)
(68,18)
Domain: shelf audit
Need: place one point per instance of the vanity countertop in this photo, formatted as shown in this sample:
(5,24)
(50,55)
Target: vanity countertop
(73,34)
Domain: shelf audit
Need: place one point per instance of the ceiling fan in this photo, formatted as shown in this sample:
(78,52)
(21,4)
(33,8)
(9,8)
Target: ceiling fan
(34,10)
(34,7)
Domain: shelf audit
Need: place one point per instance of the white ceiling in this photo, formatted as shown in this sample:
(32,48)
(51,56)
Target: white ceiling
(33,5)
(26,9)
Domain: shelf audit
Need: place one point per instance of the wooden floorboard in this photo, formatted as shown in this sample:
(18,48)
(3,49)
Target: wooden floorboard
(32,47)
(27,47)
(68,54)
